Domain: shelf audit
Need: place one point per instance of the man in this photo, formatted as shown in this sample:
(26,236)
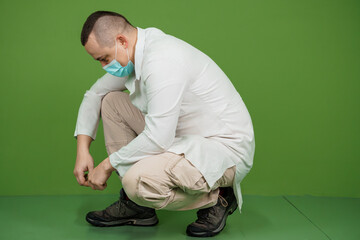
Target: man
(181,139)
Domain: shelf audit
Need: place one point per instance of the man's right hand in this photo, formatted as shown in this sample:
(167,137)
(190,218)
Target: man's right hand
(84,162)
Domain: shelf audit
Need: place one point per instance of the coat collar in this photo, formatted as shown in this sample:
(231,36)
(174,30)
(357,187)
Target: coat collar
(139,51)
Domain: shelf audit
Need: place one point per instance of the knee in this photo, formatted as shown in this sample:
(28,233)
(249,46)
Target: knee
(108,99)
(108,102)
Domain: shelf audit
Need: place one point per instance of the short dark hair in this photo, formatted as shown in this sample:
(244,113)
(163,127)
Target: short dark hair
(91,20)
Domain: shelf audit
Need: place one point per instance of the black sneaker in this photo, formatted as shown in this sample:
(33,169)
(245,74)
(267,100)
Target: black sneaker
(123,212)
(212,220)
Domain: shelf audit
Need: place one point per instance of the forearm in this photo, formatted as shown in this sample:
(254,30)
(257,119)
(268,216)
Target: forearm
(89,110)
(83,144)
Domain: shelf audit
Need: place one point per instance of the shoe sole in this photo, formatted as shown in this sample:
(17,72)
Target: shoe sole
(136,222)
(222,225)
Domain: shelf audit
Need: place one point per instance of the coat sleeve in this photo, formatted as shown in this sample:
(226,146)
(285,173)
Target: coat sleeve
(89,112)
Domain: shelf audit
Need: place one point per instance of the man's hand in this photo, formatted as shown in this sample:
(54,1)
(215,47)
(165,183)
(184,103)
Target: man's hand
(98,176)
(84,162)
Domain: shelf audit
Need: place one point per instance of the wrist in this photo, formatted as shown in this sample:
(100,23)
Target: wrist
(83,151)
(107,165)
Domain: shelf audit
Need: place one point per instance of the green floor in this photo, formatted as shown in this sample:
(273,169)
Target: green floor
(281,217)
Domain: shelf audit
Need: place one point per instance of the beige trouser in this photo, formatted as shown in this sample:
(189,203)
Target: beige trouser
(163,181)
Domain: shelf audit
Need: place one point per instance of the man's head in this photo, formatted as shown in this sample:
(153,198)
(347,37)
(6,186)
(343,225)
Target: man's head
(100,32)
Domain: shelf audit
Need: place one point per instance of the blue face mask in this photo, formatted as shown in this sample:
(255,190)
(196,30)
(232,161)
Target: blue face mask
(115,68)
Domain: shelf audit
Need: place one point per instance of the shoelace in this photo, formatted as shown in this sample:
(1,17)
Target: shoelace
(204,214)
(223,201)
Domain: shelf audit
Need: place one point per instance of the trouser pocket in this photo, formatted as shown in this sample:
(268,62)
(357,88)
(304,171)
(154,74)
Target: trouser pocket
(153,192)
(186,176)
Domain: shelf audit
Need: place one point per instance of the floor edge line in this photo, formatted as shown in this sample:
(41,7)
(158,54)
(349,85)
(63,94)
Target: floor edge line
(306,216)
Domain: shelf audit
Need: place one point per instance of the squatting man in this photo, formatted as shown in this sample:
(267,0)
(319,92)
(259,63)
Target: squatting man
(181,138)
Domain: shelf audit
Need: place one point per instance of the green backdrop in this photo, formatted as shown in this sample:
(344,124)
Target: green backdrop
(296,65)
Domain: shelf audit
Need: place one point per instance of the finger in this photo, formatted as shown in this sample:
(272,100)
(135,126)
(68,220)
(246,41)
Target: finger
(103,186)
(86,184)
(92,186)
(80,178)
(98,186)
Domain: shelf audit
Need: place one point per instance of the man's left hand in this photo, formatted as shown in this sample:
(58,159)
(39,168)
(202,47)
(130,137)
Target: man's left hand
(98,176)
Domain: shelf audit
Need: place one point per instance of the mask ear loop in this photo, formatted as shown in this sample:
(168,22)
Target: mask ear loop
(127,51)
(115,49)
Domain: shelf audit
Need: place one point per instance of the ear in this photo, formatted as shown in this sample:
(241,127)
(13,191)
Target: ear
(122,39)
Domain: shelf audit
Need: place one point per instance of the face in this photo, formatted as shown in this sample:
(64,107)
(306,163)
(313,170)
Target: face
(106,54)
